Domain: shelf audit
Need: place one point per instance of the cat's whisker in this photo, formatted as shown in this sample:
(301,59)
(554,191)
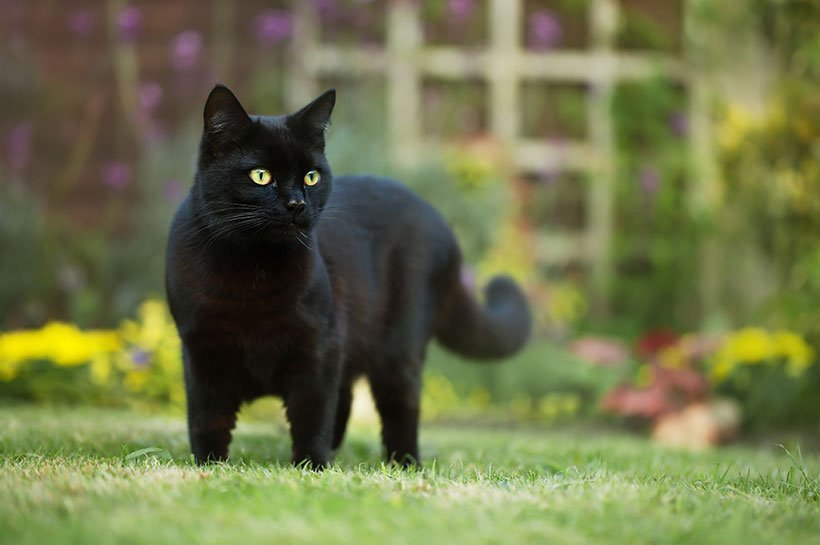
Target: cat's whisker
(299,236)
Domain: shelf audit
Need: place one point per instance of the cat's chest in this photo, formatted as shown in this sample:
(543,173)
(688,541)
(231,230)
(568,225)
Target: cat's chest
(245,302)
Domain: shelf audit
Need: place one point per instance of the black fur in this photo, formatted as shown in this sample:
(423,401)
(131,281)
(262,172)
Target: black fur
(292,291)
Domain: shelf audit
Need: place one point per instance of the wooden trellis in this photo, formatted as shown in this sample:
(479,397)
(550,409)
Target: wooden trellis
(503,64)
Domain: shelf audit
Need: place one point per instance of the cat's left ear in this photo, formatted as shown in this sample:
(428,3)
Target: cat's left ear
(313,120)
(225,119)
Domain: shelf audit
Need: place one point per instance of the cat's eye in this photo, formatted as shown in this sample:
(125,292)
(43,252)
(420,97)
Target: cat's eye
(260,176)
(312,178)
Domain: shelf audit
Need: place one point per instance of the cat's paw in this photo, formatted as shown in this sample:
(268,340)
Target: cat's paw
(315,463)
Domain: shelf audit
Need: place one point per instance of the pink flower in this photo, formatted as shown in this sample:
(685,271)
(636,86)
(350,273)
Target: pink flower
(460,10)
(129,23)
(679,124)
(150,95)
(116,175)
(185,49)
(649,179)
(544,29)
(272,26)
(80,22)
(18,145)
(600,351)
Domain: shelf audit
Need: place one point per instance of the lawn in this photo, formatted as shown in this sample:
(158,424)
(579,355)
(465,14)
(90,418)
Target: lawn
(76,476)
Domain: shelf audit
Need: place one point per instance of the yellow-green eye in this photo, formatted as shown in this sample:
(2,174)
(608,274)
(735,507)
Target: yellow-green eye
(260,176)
(312,178)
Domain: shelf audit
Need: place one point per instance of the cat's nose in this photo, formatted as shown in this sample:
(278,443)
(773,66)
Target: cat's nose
(296,206)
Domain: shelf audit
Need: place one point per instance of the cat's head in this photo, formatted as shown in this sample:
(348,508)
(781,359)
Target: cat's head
(262,177)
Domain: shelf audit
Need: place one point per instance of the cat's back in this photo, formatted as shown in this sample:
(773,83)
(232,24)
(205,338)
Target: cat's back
(381,205)
(379,232)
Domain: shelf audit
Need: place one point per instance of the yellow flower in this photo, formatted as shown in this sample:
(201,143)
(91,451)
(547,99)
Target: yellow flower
(751,345)
(153,327)
(135,380)
(735,127)
(479,398)
(63,344)
(570,403)
(566,303)
(755,346)
(100,370)
(438,395)
(9,369)
(549,407)
(521,407)
(794,349)
(511,254)
(721,370)
(471,170)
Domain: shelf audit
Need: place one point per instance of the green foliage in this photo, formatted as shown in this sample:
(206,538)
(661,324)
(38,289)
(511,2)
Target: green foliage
(793,29)
(25,261)
(656,237)
(525,381)
(91,277)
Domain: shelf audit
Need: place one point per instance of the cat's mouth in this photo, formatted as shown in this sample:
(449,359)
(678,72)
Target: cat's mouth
(296,228)
(301,222)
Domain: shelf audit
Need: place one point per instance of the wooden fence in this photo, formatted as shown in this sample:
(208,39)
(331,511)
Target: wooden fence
(101,70)
(504,64)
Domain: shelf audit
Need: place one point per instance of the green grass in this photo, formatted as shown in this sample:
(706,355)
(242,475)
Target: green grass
(66,477)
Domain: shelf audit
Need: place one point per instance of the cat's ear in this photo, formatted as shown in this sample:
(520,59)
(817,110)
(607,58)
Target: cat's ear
(313,120)
(225,119)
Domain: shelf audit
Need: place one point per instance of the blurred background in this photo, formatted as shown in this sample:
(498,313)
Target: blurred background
(649,170)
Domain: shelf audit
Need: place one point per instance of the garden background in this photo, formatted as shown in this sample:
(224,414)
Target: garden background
(649,170)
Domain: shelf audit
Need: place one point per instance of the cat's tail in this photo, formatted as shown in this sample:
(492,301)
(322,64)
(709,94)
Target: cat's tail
(497,329)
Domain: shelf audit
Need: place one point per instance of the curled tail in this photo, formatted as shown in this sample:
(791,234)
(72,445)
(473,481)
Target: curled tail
(497,329)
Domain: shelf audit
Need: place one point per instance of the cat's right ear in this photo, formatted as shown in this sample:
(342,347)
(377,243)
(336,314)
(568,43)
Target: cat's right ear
(225,119)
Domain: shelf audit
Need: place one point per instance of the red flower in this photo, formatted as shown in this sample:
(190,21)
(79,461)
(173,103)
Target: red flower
(654,341)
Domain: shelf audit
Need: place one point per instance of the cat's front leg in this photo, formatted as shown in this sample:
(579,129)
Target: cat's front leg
(212,404)
(311,410)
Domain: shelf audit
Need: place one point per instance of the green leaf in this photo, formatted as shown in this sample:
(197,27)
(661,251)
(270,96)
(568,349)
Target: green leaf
(147,451)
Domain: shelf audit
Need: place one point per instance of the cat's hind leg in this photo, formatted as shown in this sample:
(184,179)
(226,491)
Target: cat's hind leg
(396,390)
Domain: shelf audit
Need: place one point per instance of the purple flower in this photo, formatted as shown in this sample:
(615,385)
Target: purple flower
(325,7)
(544,29)
(272,26)
(460,10)
(129,23)
(650,179)
(19,145)
(140,357)
(679,123)
(116,175)
(173,190)
(150,95)
(185,49)
(80,22)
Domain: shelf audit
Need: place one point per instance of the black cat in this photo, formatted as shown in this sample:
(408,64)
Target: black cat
(279,286)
